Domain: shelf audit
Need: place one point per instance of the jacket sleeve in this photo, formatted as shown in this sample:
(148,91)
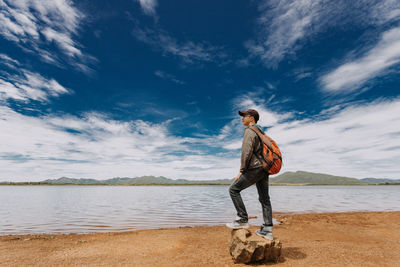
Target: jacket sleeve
(247,149)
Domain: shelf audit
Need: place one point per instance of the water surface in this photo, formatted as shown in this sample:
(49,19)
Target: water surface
(81,209)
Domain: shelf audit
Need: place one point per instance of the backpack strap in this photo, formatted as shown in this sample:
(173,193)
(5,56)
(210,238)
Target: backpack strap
(265,164)
(265,139)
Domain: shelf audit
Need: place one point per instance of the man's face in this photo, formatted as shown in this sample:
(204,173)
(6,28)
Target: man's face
(246,120)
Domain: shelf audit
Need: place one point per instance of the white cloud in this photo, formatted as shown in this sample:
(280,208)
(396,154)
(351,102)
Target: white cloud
(285,25)
(355,141)
(148,6)
(64,41)
(167,76)
(24,85)
(268,117)
(34,24)
(386,11)
(188,51)
(353,74)
(9,62)
(98,147)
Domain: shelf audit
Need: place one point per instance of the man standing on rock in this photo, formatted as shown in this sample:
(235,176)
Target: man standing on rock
(251,172)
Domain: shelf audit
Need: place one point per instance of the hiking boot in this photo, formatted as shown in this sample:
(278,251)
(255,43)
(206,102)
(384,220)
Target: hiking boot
(238,224)
(265,232)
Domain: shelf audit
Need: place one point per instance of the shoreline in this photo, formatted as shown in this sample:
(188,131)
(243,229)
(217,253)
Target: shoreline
(308,239)
(276,216)
(41,184)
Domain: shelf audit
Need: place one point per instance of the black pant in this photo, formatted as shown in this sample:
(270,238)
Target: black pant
(259,177)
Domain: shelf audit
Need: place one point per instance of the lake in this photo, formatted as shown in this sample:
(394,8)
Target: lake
(83,209)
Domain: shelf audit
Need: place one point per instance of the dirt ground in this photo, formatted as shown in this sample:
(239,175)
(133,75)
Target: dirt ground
(328,239)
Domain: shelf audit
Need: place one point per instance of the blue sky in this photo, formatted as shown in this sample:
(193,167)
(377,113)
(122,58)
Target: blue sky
(102,89)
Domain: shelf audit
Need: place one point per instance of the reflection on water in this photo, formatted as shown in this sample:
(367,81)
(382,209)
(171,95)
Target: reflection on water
(79,209)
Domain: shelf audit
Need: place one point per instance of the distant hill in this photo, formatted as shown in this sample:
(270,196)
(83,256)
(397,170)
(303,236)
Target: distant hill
(66,180)
(143,180)
(287,178)
(299,177)
(381,180)
(310,178)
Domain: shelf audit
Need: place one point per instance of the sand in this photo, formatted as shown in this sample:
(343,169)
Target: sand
(328,239)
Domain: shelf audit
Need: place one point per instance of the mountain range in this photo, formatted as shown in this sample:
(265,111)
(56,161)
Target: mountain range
(287,178)
(309,178)
(143,180)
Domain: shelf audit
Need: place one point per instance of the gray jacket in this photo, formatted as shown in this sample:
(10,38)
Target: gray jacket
(251,150)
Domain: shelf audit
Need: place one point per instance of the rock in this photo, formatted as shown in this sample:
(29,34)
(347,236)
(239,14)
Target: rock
(246,247)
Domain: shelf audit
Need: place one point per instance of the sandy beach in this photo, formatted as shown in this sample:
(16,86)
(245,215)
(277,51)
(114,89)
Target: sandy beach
(324,239)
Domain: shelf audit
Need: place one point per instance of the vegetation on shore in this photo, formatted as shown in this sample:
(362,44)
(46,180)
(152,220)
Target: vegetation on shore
(287,178)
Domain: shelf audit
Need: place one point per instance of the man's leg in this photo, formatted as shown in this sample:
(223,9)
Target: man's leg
(263,197)
(244,181)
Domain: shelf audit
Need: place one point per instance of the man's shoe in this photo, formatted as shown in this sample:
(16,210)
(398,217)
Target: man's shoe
(238,224)
(265,232)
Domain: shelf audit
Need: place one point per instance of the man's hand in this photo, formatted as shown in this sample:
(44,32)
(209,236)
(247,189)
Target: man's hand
(238,176)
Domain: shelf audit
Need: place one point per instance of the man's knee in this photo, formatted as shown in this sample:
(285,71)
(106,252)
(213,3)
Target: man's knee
(233,190)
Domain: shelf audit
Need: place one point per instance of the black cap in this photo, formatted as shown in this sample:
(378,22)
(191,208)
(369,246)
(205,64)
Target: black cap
(250,112)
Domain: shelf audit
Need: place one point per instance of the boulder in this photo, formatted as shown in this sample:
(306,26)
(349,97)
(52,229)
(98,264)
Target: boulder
(246,247)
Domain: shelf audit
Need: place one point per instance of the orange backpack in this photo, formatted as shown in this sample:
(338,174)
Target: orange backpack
(271,155)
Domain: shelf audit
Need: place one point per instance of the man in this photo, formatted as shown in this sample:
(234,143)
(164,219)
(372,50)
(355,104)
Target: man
(251,172)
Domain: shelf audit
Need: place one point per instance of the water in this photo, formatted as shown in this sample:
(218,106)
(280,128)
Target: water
(82,209)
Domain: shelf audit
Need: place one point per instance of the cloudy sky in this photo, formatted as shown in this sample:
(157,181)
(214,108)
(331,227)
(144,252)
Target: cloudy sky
(103,89)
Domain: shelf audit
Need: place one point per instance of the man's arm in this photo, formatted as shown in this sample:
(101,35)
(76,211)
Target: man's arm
(247,149)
